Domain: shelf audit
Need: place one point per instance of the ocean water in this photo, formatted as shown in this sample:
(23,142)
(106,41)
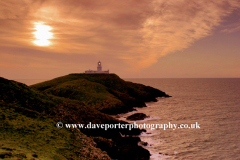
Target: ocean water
(212,103)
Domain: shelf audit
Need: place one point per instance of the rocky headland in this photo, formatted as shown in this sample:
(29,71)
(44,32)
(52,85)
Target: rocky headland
(29,115)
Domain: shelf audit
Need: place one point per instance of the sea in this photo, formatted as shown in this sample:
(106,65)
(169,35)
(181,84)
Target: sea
(212,103)
(207,109)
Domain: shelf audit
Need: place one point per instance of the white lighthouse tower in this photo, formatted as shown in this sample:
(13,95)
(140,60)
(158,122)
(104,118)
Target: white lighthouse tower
(99,67)
(98,71)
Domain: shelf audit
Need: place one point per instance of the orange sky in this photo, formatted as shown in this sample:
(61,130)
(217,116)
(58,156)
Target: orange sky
(43,39)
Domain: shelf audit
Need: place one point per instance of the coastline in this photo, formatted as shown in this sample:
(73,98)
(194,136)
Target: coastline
(176,110)
(144,136)
(70,99)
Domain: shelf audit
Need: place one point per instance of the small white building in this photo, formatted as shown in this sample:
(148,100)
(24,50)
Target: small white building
(99,70)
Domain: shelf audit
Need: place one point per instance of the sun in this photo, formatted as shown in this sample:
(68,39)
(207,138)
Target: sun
(42,34)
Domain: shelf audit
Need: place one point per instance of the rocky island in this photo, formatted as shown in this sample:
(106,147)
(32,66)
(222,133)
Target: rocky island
(29,114)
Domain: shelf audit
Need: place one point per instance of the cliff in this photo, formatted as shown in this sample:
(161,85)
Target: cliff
(29,115)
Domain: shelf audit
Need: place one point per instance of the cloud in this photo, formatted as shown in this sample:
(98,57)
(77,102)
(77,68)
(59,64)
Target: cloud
(231,28)
(178,24)
(137,32)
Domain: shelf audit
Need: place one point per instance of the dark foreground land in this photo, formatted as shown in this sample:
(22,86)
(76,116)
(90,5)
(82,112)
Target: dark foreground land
(28,115)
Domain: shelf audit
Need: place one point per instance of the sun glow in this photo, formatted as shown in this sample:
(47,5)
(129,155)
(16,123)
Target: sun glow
(42,34)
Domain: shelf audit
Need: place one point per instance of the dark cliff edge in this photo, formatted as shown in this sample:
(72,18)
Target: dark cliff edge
(29,115)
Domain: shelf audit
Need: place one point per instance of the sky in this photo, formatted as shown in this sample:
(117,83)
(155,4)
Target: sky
(44,39)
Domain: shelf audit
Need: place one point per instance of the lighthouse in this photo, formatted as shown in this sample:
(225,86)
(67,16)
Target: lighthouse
(99,67)
(98,71)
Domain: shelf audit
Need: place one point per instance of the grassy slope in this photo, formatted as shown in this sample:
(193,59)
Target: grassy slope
(105,92)
(90,93)
(25,131)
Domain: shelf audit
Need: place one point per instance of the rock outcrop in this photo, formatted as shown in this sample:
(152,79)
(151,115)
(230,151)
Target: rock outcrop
(137,116)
